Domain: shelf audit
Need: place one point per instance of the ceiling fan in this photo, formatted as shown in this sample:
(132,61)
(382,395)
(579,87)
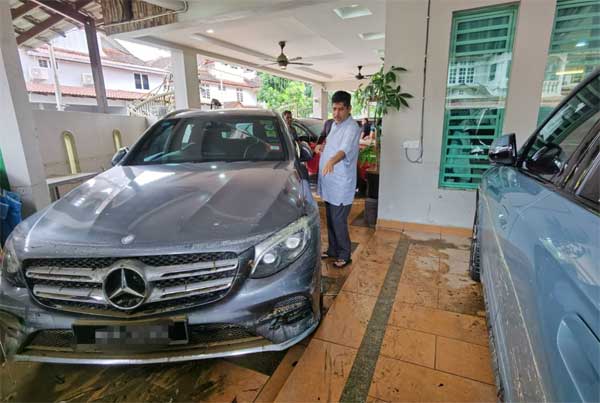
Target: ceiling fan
(361,76)
(282,60)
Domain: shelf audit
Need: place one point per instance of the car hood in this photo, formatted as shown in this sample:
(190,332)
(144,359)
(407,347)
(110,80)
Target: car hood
(136,209)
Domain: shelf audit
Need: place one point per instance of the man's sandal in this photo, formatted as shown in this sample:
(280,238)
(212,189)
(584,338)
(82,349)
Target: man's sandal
(340,264)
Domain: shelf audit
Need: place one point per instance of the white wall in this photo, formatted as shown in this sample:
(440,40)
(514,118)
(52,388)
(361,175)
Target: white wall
(409,192)
(230,94)
(93,138)
(70,73)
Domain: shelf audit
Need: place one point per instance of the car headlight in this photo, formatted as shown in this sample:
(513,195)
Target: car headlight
(11,267)
(280,250)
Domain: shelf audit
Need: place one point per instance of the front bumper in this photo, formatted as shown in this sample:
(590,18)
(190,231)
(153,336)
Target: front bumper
(274,312)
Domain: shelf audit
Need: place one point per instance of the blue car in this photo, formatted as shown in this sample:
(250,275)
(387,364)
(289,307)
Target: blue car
(536,249)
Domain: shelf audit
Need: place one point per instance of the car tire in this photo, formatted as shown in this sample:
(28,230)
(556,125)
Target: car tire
(475,257)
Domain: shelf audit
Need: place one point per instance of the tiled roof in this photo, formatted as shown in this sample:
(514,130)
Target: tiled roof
(87,92)
(110,55)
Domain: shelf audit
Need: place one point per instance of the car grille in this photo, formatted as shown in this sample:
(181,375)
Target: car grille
(172,281)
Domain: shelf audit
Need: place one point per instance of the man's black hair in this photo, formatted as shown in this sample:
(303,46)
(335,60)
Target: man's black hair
(343,97)
(286,113)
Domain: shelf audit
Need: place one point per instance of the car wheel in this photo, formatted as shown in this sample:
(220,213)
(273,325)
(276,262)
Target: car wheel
(475,258)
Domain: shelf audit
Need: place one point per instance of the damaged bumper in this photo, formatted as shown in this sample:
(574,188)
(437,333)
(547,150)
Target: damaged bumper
(268,314)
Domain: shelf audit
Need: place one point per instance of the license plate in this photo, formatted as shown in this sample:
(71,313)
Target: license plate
(123,334)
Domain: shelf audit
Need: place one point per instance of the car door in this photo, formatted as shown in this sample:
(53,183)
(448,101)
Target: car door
(305,134)
(553,248)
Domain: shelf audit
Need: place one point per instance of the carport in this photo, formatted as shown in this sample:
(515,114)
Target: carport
(403,322)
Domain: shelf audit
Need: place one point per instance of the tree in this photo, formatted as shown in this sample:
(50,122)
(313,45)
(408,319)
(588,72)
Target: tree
(281,94)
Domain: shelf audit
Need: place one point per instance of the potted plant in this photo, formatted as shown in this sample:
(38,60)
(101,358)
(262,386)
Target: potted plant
(385,93)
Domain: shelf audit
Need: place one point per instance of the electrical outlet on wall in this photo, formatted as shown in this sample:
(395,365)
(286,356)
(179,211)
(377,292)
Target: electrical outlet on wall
(413,144)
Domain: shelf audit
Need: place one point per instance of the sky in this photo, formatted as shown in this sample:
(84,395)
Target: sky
(144,52)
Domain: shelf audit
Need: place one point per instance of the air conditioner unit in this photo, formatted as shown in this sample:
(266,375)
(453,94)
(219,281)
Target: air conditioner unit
(37,73)
(87,79)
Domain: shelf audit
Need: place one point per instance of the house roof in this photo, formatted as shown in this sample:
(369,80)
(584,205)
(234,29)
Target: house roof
(86,92)
(35,25)
(110,57)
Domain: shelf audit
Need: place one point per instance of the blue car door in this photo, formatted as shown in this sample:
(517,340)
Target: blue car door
(552,249)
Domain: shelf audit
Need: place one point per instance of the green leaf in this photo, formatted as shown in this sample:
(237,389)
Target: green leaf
(406,95)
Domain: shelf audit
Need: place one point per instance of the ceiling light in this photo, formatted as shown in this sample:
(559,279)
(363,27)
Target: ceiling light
(210,31)
(371,36)
(353,11)
(581,44)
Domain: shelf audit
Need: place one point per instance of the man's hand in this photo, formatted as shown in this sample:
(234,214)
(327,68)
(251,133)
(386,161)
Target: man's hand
(318,148)
(328,168)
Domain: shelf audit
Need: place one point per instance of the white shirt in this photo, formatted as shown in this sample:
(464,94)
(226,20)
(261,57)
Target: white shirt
(339,186)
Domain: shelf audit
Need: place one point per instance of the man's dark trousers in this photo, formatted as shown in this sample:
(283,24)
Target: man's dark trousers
(337,231)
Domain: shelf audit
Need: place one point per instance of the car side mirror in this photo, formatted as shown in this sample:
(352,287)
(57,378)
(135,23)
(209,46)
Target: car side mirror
(306,153)
(504,150)
(119,155)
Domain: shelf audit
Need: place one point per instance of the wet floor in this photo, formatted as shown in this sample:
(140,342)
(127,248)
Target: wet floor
(432,345)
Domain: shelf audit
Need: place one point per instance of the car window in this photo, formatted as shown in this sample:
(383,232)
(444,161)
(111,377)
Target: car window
(201,139)
(303,134)
(590,187)
(548,153)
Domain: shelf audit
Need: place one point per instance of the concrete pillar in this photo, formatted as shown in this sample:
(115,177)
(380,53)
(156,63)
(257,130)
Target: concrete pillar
(185,76)
(530,54)
(320,100)
(18,139)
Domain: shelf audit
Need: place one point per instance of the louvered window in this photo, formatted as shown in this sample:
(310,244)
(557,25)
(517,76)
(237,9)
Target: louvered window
(478,73)
(574,50)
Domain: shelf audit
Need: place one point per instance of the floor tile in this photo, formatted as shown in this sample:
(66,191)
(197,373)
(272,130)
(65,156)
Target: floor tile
(320,375)
(347,319)
(271,389)
(457,241)
(371,399)
(230,383)
(409,345)
(467,299)
(464,359)
(418,275)
(366,279)
(398,381)
(421,236)
(455,254)
(418,295)
(454,267)
(453,325)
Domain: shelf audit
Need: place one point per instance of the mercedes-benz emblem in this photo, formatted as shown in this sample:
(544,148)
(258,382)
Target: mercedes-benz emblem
(125,288)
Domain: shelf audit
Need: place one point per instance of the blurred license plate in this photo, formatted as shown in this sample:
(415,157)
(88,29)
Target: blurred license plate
(127,334)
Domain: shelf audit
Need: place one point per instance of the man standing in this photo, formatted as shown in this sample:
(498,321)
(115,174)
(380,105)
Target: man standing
(337,178)
(287,116)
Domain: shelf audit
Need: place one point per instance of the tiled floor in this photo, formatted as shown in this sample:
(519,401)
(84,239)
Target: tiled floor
(434,346)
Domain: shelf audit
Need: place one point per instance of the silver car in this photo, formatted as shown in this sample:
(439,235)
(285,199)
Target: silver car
(202,241)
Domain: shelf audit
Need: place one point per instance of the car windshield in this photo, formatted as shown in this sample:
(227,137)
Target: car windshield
(210,138)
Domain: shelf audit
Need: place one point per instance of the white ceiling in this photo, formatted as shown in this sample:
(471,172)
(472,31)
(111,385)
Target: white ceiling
(248,30)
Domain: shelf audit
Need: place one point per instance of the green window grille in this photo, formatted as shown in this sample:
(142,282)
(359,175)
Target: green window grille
(574,50)
(479,67)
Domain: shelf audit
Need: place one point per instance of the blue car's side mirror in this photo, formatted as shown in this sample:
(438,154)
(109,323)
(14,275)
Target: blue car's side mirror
(119,155)
(504,150)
